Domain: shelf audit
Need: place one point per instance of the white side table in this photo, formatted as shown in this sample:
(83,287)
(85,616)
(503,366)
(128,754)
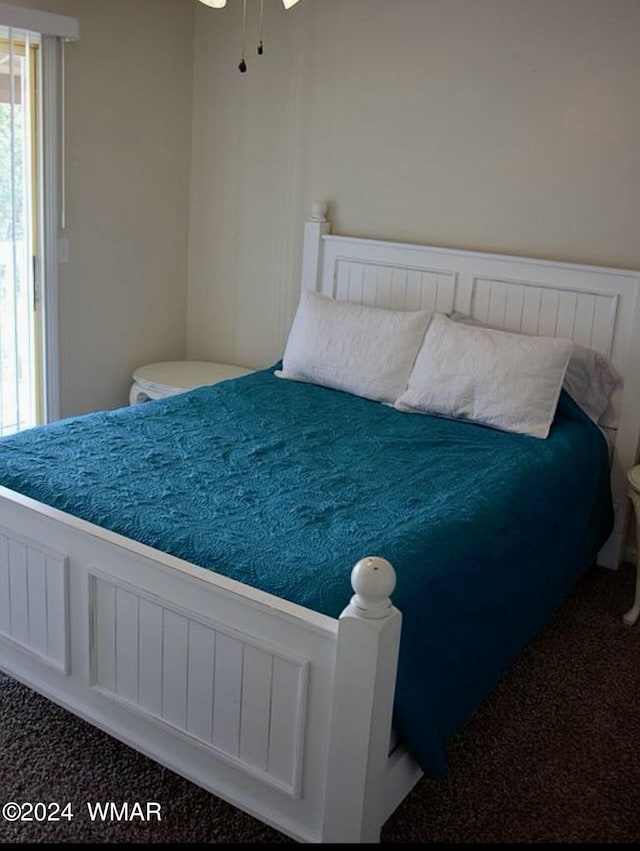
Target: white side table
(633,477)
(157,380)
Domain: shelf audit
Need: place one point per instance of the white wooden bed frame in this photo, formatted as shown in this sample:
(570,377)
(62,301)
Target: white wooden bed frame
(281,711)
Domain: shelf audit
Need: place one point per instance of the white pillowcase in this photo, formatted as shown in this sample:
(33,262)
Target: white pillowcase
(590,378)
(507,381)
(367,351)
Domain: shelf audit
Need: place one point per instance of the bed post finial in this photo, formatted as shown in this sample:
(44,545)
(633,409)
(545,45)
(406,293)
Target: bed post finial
(316,226)
(364,689)
(373,579)
(317,211)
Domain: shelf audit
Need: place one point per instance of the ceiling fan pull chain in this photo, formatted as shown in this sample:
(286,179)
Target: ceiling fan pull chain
(260,43)
(243,65)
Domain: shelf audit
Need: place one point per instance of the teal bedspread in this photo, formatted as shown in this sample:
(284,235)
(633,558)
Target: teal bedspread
(285,486)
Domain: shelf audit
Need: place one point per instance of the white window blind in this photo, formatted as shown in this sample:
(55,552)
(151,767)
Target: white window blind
(17,367)
(32,211)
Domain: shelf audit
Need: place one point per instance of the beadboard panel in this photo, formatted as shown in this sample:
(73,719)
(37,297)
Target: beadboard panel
(244,702)
(397,287)
(586,317)
(33,599)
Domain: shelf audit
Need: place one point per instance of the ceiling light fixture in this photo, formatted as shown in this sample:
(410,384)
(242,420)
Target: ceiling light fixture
(220,4)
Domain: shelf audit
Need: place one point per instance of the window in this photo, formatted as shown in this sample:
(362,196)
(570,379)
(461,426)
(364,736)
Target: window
(31,210)
(21,400)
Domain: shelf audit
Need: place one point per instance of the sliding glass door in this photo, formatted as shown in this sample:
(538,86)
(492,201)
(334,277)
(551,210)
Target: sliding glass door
(21,404)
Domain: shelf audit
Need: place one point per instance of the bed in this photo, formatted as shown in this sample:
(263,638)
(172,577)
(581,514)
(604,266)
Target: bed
(221,598)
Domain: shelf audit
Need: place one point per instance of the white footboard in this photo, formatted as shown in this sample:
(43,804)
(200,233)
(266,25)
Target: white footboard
(279,710)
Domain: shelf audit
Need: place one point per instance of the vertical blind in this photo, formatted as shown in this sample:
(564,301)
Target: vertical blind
(17,293)
(31,155)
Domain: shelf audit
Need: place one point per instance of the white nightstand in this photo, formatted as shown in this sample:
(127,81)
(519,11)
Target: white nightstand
(633,477)
(157,380)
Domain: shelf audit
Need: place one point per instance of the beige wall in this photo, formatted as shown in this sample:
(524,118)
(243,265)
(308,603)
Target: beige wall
(129,96)
(506,125)
(503,125)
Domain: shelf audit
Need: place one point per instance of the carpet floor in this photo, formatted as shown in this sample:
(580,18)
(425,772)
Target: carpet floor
(552,756)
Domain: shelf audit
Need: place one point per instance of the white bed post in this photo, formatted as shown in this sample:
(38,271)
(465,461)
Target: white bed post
(315,228)
(364,686)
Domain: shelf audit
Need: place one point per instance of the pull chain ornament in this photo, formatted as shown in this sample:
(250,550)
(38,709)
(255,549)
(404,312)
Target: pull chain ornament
(260,48)
(242,67)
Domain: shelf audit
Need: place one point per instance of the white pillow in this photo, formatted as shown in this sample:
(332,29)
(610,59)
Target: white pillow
(367,351)
(590,378)
(507,381)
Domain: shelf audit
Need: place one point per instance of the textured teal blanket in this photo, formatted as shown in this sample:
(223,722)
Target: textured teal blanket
(285,486)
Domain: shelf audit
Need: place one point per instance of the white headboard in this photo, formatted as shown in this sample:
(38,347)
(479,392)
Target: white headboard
(595,306)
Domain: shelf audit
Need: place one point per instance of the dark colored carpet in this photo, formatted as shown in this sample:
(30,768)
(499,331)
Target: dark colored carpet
(552,756)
